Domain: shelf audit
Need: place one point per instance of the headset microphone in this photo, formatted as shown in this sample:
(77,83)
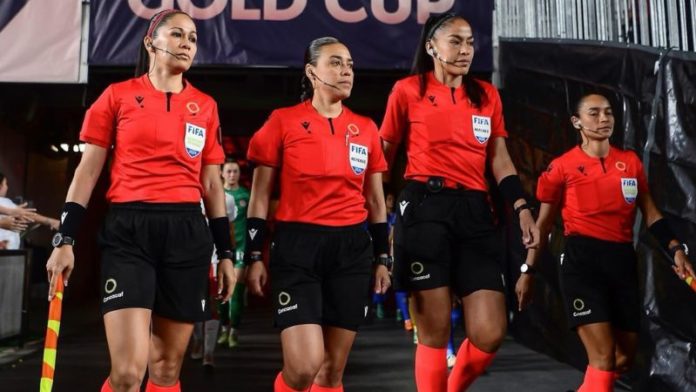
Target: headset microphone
(328,84)
(437,56)
(165,50)
(580,127)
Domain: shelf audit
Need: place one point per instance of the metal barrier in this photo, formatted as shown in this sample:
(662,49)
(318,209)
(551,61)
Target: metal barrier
(658,23)
(14,283)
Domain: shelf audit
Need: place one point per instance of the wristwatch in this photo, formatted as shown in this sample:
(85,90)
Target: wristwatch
(225,254)
(59,240)
(681,246)
(527,269)
(386,261)
(254,257)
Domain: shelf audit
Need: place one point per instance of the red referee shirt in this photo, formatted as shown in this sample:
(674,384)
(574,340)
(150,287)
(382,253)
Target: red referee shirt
(161,140)
(445,135)
(597,195)
(323,163)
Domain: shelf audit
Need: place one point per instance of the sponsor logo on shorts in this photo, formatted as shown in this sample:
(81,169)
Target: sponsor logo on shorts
(113,296)
(252,233)
(284,299)
(366,308)
(417,268)
(562,258)
(110,285)
(287,309)
(203,305)
(579,306)
(402,206)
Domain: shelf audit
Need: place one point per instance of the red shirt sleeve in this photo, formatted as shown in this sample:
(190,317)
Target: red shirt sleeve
(396,116)
(376,162)
(498,123)
(265,147)
(213,153)
(99,125)
(551,184)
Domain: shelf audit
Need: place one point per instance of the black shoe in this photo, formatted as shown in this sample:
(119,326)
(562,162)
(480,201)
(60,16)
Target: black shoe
(208,368)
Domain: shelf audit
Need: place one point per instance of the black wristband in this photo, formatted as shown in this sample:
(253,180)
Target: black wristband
(380,237)
(71,218)
(523,206)
(511,188)
(255,237)
(220,229)
(662,232)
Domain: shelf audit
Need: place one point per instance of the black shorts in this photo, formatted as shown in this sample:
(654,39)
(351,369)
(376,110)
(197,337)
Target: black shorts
(599,281)
(446,239)
(320,275)
(156,256)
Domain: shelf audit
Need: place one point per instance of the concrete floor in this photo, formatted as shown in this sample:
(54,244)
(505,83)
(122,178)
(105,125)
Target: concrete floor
(381,361)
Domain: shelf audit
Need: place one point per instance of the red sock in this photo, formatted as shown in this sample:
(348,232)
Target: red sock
(280,386)
(431,369)
(597,381)
(152,387)
(319,388)
(471,363)
(106,387)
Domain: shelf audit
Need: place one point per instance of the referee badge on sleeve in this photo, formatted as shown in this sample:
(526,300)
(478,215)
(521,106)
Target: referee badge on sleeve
(482,128)
(629,188)
(194,140)
(358,158)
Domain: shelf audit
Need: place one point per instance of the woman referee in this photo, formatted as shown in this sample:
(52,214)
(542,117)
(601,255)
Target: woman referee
(445,238)
(155,244)
(329,161)
(597,188)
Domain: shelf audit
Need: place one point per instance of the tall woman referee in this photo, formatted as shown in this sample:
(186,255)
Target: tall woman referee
(155,244)
(330,165)
(452,125)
